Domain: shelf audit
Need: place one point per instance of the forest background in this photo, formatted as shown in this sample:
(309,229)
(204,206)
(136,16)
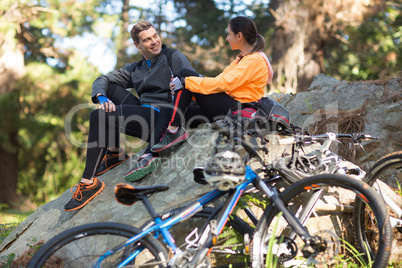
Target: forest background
(45,83)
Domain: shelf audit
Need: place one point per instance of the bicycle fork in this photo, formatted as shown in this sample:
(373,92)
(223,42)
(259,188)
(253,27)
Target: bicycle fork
(395,222)
(313,243)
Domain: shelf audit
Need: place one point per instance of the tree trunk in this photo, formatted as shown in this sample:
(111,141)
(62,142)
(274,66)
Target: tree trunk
(302,28)
(11,69)
(297,45)
(9,173)
(124,42)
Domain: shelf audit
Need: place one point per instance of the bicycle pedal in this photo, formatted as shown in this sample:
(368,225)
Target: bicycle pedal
(354,171)
(214,227)
(214,231)
(246,244)
(192,242)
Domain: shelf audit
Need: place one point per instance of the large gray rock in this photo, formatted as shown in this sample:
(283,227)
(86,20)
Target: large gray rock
(176,171)
(382,119)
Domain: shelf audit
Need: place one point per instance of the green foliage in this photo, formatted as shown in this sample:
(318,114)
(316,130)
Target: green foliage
(399,191)
(353,256)
(371,50)
(310,108)
(231,237)
(5,230)
(3,206)
(7,260)
(255,199)
(271,259)
(47,97)
(36,246)
(23,259)
(205,21)
(36,108)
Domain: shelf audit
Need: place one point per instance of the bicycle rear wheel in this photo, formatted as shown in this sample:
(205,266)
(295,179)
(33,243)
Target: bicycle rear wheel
(387,172)
(83,245)
(330,221)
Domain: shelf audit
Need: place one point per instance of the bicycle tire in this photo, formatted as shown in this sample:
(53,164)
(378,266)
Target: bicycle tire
(93,240)
(387,169)
(333,238)
(235,229)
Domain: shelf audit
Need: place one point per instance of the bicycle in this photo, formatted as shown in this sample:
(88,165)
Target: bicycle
(295,166)
(386,177)
(136,243)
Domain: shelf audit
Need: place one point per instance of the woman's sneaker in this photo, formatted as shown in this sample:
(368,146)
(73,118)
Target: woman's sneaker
(169,139)
(83,194)
(111,160)
(145,165)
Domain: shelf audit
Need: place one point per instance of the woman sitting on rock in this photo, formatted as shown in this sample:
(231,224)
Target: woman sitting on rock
(244,80)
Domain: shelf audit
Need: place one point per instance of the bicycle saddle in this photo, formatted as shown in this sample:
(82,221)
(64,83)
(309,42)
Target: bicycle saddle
(223,127)
(127,194)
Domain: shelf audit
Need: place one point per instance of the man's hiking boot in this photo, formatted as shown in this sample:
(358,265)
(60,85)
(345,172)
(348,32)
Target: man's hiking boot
(83,194)
(145,165)
(111,160)
(169,139)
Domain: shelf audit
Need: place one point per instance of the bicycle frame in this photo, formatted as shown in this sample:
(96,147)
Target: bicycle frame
(162,226)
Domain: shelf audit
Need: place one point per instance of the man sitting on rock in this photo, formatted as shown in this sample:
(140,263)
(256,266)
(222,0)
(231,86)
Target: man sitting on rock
(145,117)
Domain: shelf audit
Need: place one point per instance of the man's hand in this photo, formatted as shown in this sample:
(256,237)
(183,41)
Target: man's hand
(106,104)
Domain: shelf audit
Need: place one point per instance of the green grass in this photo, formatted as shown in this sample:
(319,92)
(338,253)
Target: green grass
(13,216)
(271,260)
(10,219)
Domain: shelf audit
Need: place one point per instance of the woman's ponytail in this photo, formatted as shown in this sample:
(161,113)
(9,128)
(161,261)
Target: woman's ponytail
(249,30)
(259,44)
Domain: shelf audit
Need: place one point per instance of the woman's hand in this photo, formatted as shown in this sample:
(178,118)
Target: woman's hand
(175,85)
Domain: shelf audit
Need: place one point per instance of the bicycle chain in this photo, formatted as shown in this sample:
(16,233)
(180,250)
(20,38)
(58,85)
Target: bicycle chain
(228,246)
(161,262)
(146,264)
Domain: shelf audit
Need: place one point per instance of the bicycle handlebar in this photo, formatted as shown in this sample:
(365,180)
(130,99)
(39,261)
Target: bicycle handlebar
(355,137)
(226,131)
(307,139)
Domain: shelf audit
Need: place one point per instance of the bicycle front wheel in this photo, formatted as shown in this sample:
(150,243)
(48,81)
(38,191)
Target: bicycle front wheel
(324,205)
(82,246)
(386,177)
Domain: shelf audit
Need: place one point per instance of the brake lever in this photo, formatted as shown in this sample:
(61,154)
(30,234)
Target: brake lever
(357,138)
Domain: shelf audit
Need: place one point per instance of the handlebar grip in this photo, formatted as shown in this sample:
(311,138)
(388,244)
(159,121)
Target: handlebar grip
(367,137)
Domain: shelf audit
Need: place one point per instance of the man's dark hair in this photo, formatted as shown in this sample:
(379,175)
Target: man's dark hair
(139,27)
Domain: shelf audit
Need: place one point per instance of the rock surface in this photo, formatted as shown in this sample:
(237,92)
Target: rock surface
(379,102)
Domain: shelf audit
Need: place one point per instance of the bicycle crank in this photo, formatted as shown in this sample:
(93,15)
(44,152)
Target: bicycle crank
(322,248)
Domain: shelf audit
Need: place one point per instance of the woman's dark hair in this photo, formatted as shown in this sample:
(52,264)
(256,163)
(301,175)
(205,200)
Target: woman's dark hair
(247,27)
